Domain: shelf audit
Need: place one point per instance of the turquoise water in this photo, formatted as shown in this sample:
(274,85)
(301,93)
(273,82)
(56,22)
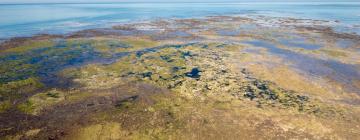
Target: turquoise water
(29,19)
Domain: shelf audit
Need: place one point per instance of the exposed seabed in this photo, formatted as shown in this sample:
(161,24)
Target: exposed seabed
(218,77)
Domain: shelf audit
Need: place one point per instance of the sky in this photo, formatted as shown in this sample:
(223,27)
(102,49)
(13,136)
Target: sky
(102,1)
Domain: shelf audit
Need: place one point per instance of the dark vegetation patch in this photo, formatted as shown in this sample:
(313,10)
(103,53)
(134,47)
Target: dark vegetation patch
(18,41)
(126,102)
(194,73)
(56,121)
(266,94)
(18,89)
(43,62)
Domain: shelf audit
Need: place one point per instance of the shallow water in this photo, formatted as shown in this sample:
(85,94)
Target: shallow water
(300,43)
(343,43)
(338,71)
(26,20)
(228,32)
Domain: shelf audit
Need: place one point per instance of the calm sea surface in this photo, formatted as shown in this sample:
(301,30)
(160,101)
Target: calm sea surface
(29,19)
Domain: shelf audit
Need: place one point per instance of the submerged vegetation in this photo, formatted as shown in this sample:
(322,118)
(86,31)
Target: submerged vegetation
(179,84)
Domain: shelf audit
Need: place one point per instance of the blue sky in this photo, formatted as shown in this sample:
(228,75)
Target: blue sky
(96,1)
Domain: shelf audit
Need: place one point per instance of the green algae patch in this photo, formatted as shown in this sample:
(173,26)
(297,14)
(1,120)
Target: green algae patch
(30,45)
(129,44)
(17,89)
(35,104)
(109,46)
(4,106)
(41,101)
(334,53)
(27,107)
(155,66)
(46,61)
(140,42)
(16,70)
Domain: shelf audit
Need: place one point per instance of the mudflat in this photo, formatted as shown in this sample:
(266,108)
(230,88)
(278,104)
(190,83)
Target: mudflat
(217,77)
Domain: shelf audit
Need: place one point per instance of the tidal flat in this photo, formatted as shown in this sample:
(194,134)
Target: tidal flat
(216,77)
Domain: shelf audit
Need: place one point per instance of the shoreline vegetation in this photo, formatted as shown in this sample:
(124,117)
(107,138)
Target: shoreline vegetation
(216,77)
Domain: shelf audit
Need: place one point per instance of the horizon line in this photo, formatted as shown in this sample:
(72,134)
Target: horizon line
(258,2)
